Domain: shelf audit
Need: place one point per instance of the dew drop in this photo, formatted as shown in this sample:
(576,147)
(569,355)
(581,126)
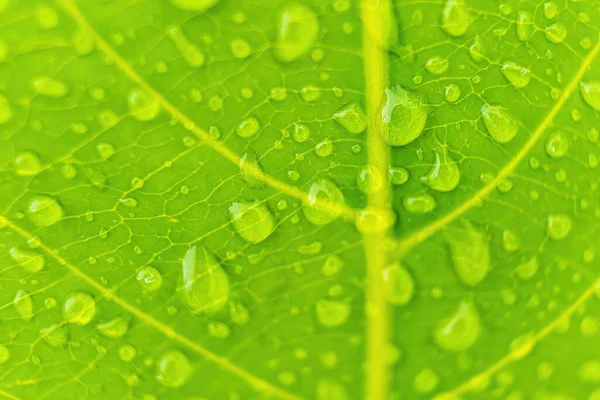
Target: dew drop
(499,123)
(559,226)
(56,335)
(398,284)
(332,265)
(4,354)
(192,55)
(455,17)
(452,93)
(436,65)
(115,328)
(369,179)
(28,260)
(517,75)
(332,313)
(310,93)
(445,174)
(557,144)
(6,111)
(419,203)
(476,49)
(298,29)
(556,33)
(204,286)
(248,127)
(83,42)
(404,116)
(27,164)
(79,308)
(352,117)
(324,148)
(240,48)
(524,25)
(23,304)
(522,345)
(398,175)
(527,269)
(44,211)
(460,330)
(127,352)
(143,104)
(173,369)
(239,313)
(591,93)
(301,133)
(470,251)
(194,5)
(105,150)
(252,220)
(374,220)
(49,87)
(426,381)
(323,190)
(250,169)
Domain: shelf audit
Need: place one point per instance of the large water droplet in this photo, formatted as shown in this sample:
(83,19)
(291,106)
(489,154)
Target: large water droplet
(419,203)
(445,175)
(6,112)
(470,250)
(332,312)
(143,104)
(455,17)
(49,87)
(173,369)
(44,211)
(404,116)
(27,164)
(398,284)
(559,226)
(194,5)
(352,117)
(517,75)
(298,29)
(23,304)
(28,260)
(499,123)
(204,284)
(193,56)
(460,330)
(115,328)
(323,190)
(79,308)
(591,93)
(252,220)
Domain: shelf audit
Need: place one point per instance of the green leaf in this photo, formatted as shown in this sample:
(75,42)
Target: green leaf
(303,199)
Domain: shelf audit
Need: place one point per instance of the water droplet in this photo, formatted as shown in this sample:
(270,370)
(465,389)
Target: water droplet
(436,65)
(28,260)
(510,241)
(23,304)
(398,175)
(252,220)
(522,345)
(426,381)
(56,335)
(47,17)
(115,328)
(559,226)
(49,87)
(352,117)
(476,49)
(27,164)
(193,56)
(173,369)
(556,33)
(589,371)
(310,93)
(470,250)
(419,203)
(250,170)
(298,29)
(324,148)
(323,190)
(127,352)
(398,284)
(204,284)
(460,330)
(499,123)
(248,127)
(149,279)
(332,313)
(527,270)
(44,211)
(6,111)
(455,17)
(332,265)
(369,179)
(517,75)
(301,133)
(4,354)
(79,308)
(240,48)
(194,5)
(239,313)
(557,144)
(524,25)
(143,104)
(83,42)
(374,220)
(591,93)
(404,116)
(445,174)
(452,93)
(105,150)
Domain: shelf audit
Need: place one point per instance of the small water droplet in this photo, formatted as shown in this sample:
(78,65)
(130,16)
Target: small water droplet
(527,269)
(559,226)
(352,117)
(332,313)
(193,56)
(27,164)
(239,313)
(250,170)
(419,203)
(398,175)
(524,25)
(4,354)
(240,48)
(445,174)
(115,328)
(369,179)
(173,369)
(436,65)
(298,29)
(323,190)
(557,144)
(23,304)
(470,251)
(6,111)
(591,93)
(426,381)
(452,93)
(556,33)
(404,116)
(127,352)
(499,123)
(56,335)
(398,284)
(79,308)
(28,260)
(143,104)
(252,220)
(460,330)
(105,150)
(248,127)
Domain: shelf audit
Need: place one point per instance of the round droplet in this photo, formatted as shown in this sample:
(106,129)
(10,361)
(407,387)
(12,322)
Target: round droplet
(517,75)
(194,5)
(49,87)
(557,144)
(455,17)
(445,174)
(322,191)
(143,105)
(248,127)
(419,203)
(437,65)
(404,116)
(204,286)
(499,123)
(240,48)
(27,164)
(79,308)
(298,29)
(369,179)
(426,381)
(149,279)
(559,226)
(105,150)
(332,313)
(352,117)
(398,284)
(591,93)
(452,93)
(460,330)
(127,352)
(44,211)
(173,369)
(252,220)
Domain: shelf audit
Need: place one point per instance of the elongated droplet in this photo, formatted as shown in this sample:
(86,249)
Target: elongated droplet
(79,308)
(332,313)
(437,65)
(460,330)
(115,328)
(352,117)
(476,50)
(23,304)
(398,284)
(204,286)
(194,5)
(56,335)
(445,174)
(517,75)
(248,127)
(82,41)
(49,87)
(193,56)
(28,260)
(6,112)
(44,211)
(298,29)
(556,33)
(4,354)
(404,116)
(455,17)
(470,250)
(419,203)
(143,105)
(323,190)
(252,220)
(524,25)
(173,369)
(250,169)
(591,93)
(499,123)
(559,226)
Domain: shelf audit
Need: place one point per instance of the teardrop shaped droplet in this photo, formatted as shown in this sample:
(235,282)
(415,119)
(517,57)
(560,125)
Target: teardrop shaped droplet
(445,174)
(115,328)
(332,313)
(301,133)
(28,260)
(591,93)
(193,56)
(324,190)
(194,5)
(204,284)
(252,220)
(23,304)
(49,87)
(143,105)
(517,75)
(239,313)
(527,269)
(460,330)
(298,29)
(404,116)
(452,93)
(470,251)
(173,369)
(369,179)
(352,117)
(419,203)
(499,123)
(398,284)
(79,308)
(456,18)
(44,211)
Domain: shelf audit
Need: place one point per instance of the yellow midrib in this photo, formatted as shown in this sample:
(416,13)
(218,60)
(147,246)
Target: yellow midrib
(256,172)
(169,332)
(376,18)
